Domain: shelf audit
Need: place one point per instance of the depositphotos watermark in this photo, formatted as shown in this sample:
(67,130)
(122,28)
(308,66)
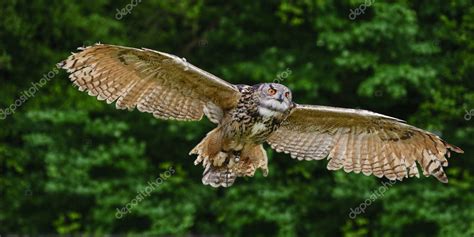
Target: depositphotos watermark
(360,10)
(469,114)
(145,192)
(282,76)
(127,9)
(27,94)
(374,196)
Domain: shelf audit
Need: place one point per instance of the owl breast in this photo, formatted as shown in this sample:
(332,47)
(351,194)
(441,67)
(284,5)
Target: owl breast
(250,123)
(248,129)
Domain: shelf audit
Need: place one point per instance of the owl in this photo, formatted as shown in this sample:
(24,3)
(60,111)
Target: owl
(246,117)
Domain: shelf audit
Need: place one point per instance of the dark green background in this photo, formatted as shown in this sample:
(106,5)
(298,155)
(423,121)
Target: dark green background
(68,161)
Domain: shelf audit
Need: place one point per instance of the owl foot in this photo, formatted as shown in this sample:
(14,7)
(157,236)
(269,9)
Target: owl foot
(219,159)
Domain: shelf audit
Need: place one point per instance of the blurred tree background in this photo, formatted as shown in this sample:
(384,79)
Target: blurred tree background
(68,161)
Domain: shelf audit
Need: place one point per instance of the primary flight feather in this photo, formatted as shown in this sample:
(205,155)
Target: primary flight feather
(248,116)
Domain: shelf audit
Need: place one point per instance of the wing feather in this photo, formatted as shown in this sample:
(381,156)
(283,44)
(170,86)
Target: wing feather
(362,141)
(355,147)
(365,159)
(154,82)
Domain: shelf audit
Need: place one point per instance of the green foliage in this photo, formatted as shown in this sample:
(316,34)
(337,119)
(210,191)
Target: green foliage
(69,161)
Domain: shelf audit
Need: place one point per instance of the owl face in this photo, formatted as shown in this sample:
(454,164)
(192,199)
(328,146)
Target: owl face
(274,98)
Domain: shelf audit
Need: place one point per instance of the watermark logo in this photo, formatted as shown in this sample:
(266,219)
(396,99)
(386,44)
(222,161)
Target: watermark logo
(360,10)
(27,94)
(143,193)
(203,42)
(374,196)
(469,114)
(127,9)
(280,77)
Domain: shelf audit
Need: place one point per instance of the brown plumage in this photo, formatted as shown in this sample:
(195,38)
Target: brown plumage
(362,141)
(247,116)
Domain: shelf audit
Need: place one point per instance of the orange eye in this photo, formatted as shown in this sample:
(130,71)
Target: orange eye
(287,94)
(271,91)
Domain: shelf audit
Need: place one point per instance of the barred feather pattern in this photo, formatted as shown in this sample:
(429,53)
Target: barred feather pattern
(154,82)
(362,141)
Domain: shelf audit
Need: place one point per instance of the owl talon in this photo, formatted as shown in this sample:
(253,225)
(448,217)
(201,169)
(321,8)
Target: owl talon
(219,159)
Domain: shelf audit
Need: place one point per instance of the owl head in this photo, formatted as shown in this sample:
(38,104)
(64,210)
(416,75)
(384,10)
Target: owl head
(274,98)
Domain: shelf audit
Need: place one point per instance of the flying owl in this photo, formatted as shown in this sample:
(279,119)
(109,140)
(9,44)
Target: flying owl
(248,116)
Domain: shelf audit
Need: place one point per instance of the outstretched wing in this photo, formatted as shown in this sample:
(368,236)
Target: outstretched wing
(361,141)
(152,81)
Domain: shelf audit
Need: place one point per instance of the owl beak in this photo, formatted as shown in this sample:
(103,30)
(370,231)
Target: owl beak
(281,99)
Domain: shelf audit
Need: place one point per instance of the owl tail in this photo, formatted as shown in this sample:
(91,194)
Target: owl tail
(216,172)
(218,176)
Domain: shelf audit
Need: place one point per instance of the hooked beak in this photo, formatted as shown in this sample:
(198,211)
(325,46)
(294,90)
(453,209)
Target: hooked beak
(281,99)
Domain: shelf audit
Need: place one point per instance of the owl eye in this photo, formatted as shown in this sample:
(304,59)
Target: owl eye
(287,94)
(271,91)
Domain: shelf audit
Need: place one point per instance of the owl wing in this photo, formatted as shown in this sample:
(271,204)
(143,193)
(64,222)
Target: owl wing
(361,141)
(152,81)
